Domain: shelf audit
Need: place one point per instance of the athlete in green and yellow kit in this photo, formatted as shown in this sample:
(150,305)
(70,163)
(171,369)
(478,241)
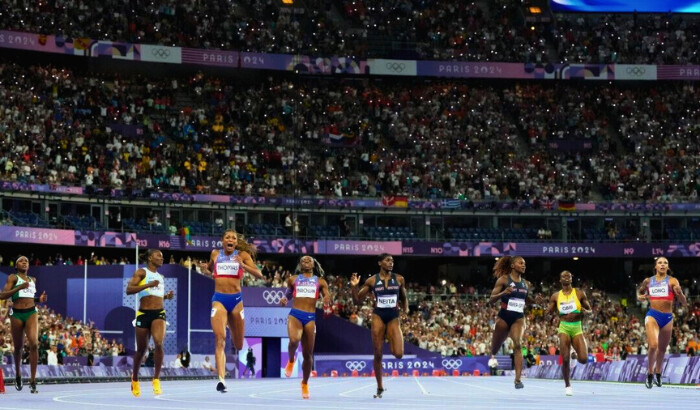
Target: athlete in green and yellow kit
(571,303)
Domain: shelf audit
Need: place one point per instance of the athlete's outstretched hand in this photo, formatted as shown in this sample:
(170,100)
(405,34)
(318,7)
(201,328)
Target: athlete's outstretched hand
(43,298)
(354,279)
(169,295)
(283,301)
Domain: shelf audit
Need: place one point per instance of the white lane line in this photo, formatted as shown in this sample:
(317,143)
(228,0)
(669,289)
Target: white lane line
(346,393)
(425,392)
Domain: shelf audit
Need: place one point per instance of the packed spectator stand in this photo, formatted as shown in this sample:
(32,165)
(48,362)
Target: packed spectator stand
(476,31)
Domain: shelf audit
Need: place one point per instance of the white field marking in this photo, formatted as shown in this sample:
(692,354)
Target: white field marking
(295,388)
(425,392)
(345,393)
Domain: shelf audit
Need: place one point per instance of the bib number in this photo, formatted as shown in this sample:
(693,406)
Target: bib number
(227,268)
(516,305)
(306,291)
(568,307)
(387,301)
(658,291)
(29,292)
(158,290)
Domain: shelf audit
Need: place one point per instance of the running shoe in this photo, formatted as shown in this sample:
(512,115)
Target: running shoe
(305,391)
(221,387)
(650,381)
(519,384)
(379,393)
(32,388)
(18,382)
(288,369)
(657,380)
(135,388)
(569,391)
(156,387)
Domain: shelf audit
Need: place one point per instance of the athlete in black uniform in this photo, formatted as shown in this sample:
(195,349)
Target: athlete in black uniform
(513,291)
(389,294)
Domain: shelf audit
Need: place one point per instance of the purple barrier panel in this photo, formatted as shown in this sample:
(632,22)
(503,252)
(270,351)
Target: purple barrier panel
(614,371)
(209,57)
(675,368)
(324,367)
(302,64)
(678,72)
(37,235)
(356,247)
(465,364)
(44,43)
(691,374)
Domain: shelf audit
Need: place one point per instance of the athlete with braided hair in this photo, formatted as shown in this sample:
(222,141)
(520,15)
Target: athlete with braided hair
(304,287)
(513,290)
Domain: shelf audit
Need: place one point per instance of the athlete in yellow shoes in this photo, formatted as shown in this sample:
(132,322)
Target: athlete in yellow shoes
(150,318)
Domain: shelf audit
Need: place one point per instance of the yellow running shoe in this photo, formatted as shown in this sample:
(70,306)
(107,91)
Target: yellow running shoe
(156,387)
(288,369)
(135,388)
(305,391)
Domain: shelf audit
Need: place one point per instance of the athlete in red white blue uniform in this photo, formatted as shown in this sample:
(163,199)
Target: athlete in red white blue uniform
(659,290)
(227,266)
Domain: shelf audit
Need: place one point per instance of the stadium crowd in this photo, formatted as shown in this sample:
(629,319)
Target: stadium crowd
(476,31)
(202,134)
(60,337)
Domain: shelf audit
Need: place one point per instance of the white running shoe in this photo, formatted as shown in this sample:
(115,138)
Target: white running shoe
(569,391)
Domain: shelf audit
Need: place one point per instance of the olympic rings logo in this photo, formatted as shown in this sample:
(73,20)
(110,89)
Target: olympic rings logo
(396,67)
(636,70)
(160,52)
(451,364)
(358,365)
(273,297)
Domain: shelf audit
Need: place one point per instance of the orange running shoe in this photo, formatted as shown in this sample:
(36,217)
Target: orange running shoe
(156,387)
(135,388)
(288,369)
(305,391)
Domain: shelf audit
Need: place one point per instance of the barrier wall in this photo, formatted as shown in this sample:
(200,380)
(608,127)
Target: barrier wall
(33,236)
(333,65)
(677,369)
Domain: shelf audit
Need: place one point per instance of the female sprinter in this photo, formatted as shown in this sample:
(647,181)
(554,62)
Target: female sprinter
(571,303)
(23,318)
(227,266)
(512,289)
(659,290)
(304,287)
(150,318)
(389,294)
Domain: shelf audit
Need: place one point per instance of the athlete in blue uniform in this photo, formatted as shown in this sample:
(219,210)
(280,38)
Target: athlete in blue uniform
(389,295)
(513,292)
(227,267)
(305,287)
(150,318)
(23,318)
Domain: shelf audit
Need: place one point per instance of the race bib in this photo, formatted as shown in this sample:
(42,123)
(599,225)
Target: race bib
(227,268)
(306,291)
(387,301)
(658,291)
(567,307)
(29,292)
(516,305)
(158,290)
